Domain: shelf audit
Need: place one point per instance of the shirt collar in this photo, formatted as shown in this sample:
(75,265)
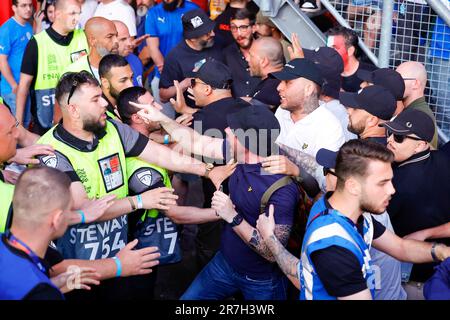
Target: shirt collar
(79,144)
(415,158)
(254,167)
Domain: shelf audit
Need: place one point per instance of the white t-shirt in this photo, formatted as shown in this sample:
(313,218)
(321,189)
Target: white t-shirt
(118,10)
(319,129)
(87,12)
(340,112)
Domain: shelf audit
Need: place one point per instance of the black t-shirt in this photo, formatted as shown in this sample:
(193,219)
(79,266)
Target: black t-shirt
(339,269)
(243,84)
(30,56)
(222,29)
(182,60)
(42,291)
(266,92)
(352,83)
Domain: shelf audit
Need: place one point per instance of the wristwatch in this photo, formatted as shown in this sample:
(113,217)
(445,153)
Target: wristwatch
(208,168)
(236,220)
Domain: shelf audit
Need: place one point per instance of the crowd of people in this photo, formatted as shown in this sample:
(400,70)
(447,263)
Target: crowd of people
(323,176)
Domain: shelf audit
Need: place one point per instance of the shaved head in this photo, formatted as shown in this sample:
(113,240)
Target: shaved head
(124,39)
(38,192)
(270,48)
(413,69)
(122,29)
(62,4)
(101,34)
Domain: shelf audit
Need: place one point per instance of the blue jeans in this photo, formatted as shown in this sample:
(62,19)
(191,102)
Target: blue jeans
(218,281)
(439,72)
(10,100)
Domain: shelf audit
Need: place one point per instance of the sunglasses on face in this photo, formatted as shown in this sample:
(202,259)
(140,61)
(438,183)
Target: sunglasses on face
(194,82)
(328,171)
(400,138)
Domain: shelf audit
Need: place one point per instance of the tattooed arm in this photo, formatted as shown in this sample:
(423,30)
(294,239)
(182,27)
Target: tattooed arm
(303,160)
(250,235)
(287,262)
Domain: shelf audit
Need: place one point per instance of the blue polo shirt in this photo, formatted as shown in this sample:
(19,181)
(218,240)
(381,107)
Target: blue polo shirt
(137,68)
(166,26)
(247,186)
(13,40)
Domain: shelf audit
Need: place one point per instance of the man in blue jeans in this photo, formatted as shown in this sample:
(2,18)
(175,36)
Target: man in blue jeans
(14,36)
(244,263)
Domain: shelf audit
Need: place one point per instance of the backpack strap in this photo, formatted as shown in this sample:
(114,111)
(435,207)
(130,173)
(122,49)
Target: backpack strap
(284,181)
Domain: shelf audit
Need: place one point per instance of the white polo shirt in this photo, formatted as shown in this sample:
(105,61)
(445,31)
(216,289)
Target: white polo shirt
(118,10)
(319,129)
(340,112)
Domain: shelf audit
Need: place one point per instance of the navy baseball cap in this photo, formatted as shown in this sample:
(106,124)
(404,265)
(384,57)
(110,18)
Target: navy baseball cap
(256,128)
(385,77)
(326,158)
(412,121)
(196,23)
(214,73)
(331,65)
(300,68)
(376,100)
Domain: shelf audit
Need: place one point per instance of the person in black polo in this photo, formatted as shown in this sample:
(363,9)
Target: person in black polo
(422,184)
(189,54)
(211,87)
(368,108)
(243,263)
(242,26)
(264,57)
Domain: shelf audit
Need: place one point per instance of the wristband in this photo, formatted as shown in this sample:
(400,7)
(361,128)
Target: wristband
(83,217)
(140,204)
(166,139)
(133,206)
(119,266)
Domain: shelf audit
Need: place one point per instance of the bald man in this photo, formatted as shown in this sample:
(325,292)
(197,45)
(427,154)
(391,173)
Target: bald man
(102,39)
(266,56)
(46,56)
(126,48)
(415,76)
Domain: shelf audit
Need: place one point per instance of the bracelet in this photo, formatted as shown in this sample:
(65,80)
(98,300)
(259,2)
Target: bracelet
(433,252)
(133,206)
(83,217)
(119,266)
(166,139)
(140,204)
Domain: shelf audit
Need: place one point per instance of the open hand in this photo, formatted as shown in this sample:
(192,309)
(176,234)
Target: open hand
(137,262)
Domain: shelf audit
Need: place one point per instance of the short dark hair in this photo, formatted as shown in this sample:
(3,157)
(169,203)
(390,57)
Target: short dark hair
(350,36)
(40,188)
(242,14)
(126,110)
(110,61)
(354,156)
(70,79)
(15,2)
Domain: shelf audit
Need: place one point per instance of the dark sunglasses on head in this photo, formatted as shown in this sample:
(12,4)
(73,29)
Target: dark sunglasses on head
(400,138)
(72,90)
(328,171)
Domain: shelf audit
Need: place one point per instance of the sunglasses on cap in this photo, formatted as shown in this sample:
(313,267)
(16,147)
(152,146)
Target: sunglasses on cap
(400,138)
(328,171)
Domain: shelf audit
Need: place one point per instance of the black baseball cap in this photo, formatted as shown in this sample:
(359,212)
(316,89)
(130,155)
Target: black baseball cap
(196,23)
(375,99)
(385,77)
(412,121)
(214,73)
(300,68)
(331,65)
(326,158)
(256,128)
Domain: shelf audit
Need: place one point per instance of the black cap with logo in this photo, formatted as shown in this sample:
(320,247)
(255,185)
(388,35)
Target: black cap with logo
(376,100)
(412,121)
(214,73)
(196,23)
(300,68)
